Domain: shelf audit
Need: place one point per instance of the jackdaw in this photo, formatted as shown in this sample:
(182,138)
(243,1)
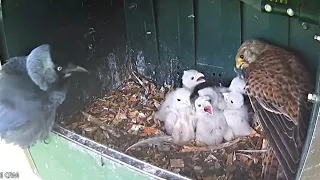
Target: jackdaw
(31,89)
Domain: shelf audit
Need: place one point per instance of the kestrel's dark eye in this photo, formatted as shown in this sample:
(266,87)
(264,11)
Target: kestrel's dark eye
(231,101)
(59,68)
(199,105)
(192,78)
(241,56)
(179,99)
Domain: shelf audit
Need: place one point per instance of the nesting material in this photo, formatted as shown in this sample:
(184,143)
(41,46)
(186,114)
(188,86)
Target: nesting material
(125,116)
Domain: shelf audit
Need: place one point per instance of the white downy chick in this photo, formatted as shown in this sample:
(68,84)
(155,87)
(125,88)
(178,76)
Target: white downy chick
(215,94)
(183,129)
(236,114)
(211,124)
(191,78)
(175,115)
(179,124)
(238,85)
(178,98)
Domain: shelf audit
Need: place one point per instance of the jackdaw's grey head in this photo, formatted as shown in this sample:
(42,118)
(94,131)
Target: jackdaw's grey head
(43,71)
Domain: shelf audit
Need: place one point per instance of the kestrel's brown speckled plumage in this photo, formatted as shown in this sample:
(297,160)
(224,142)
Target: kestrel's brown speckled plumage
(270,166)
(277,85)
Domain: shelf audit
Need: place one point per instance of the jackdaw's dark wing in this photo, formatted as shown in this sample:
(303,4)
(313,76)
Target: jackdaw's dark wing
(25,115)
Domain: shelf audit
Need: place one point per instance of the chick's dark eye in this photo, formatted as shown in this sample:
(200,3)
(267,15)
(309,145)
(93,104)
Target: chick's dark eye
(231,101)
(59,68)
(192,78)
(199,105)
(241,56)
(179,99)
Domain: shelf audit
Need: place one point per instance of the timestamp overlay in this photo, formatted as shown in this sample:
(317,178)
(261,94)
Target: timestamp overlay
(9,175)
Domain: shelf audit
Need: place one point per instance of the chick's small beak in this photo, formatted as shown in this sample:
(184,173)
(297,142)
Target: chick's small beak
(74,68)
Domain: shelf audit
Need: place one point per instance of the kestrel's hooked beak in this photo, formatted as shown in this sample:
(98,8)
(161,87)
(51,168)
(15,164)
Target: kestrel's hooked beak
(241,63)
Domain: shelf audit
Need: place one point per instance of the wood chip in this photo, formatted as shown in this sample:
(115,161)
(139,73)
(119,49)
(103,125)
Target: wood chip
(101,124)
(133,114)
(210,157)
(89,129)
(125,115)
(217,165)
(210,178)
(147,131)
(229,159)
(176,163)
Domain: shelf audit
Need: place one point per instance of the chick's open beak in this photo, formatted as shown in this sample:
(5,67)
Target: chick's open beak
(74,68)
(201,78)
(208,109)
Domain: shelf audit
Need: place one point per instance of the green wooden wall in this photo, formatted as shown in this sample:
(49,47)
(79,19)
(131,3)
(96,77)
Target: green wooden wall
(173,35)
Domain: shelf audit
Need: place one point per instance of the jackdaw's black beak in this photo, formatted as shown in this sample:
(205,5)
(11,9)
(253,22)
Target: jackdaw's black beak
(74,68)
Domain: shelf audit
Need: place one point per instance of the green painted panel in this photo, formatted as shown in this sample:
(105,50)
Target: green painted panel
(302,41)
(142,35)
(61,159)
(271,27)
(218,36)
(25,29)
(175,26)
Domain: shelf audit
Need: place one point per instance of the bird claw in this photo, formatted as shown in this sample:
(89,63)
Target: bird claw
(254,133)
(45,142)
(257,127)
(260,141)
(201,144)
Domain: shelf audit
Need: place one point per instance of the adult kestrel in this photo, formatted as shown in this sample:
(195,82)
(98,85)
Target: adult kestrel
(277,85)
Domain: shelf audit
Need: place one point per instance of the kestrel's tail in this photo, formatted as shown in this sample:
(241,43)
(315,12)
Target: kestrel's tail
(271,169)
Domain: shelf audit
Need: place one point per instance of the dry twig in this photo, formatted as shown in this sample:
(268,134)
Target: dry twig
(138,79)
(102,125)
(210,148)
(252,150)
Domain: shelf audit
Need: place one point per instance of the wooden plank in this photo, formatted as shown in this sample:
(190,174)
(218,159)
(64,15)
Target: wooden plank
(218,30)
(142,35)
(175,26)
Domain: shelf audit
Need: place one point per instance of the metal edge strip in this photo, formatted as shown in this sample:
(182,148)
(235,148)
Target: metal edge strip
(30,160)
(311,131)
(126,160)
